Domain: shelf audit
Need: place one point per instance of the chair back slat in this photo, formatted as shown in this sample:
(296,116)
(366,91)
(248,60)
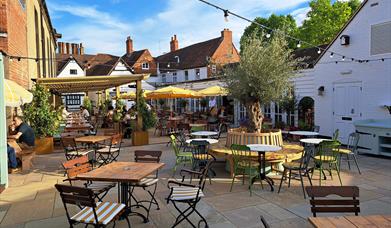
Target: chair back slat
(174,144)
(76,195)
(74,162)
(68,143)
(329,205)
(76,170)
(150,156)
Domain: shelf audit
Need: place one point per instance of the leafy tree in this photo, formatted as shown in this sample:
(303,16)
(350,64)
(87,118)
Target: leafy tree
(262,75)
(40,114)
(325,20)
(87,104)
(285,23)
(148,116)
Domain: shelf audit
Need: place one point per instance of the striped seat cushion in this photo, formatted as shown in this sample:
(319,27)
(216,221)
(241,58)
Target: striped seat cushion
(145,182)
(79,153)
(108,150)
(345,151)
(202,156)
(105,211)
(185,193)
(325,158)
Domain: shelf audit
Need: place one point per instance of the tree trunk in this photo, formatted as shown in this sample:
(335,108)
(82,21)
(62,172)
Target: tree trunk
(255,115)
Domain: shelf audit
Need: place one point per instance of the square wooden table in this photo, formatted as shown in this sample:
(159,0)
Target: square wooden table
(92,139)
(123,173)
(352,221)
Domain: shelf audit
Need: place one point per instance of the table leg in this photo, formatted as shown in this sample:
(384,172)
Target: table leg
(125,197)
(262,170)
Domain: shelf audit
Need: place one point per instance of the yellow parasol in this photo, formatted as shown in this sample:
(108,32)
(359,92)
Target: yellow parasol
(213,91)
(172,92)
(132,95)
(16,95)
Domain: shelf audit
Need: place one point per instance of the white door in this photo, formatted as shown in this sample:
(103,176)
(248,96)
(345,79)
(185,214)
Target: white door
(346,108)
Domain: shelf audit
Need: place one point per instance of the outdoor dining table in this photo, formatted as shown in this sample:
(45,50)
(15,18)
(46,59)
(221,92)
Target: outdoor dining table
(204,134)
(352,221)
(313,141)
(78,127)
(123,173)
(262,149)
(93,141)
(210,141)
(198,125)
(304,133)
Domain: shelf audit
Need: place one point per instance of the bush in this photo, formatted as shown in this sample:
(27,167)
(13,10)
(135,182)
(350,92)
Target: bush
(87,104)
(40,114)
(149,117)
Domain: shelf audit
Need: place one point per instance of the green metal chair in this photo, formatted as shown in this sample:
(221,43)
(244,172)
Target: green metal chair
(181,157)
(336,134)
(327,158)
(244,163)
(351,150)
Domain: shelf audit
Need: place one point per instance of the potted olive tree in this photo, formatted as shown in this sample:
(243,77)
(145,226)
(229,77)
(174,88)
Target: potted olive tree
(148,118)
(262,75)
(43,119)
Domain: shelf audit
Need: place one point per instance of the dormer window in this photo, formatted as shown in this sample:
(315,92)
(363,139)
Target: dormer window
(145,66)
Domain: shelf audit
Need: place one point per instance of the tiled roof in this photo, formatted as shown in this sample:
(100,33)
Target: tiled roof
(101,64)
(63,59)
(132,58)
(192,56)
(308,55)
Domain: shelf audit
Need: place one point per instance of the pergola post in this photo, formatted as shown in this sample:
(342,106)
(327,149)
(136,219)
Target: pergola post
(3,127)
(138,94)
(117,92)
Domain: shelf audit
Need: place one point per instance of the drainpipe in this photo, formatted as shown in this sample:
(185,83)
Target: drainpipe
(3,127)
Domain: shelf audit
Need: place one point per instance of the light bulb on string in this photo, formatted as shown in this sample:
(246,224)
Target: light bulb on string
(343,58)
(19,59)
(298,44)
(268,35)
(226,15)
(168,65)
(331,54)
(319,51)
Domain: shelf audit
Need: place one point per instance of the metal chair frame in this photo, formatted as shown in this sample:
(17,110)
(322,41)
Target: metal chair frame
(327,149)
(113,152)
(352,146)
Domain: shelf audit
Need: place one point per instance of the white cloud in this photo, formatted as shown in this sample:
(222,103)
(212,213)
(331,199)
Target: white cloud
(191,20)
(300,15)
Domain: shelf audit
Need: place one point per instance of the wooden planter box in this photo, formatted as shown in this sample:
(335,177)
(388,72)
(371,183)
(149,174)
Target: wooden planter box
(140,138)
(44,145)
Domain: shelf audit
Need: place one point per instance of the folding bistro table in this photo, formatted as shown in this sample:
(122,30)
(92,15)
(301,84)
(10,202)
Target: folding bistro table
(123,173)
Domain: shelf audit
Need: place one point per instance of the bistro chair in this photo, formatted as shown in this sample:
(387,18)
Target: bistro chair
(327,158)
(111,152)
(151,181)
(351,150)
(71,149)
(81,165)
(98,214)
(336,134)
(299,168)
(190,194)
(201,156)
(320,204)
(181,157)
(220,129)
(245,163)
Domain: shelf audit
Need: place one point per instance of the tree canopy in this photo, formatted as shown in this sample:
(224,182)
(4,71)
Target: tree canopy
(324,21)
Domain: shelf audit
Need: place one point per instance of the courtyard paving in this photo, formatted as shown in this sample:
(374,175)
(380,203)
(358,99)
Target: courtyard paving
(31,200)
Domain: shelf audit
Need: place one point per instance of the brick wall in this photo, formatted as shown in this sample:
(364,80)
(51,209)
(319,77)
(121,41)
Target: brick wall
(145,57)
(16,42)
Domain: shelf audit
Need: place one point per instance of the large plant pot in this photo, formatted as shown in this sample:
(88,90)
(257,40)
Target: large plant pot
(44,145)
(140,138)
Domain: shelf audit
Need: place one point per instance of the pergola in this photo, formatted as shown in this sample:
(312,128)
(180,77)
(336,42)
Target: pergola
(92,83)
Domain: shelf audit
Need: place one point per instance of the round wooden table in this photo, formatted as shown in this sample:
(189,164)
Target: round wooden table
(262,149)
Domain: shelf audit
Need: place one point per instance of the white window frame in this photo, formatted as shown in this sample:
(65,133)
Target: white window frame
(145,66)
(70,71)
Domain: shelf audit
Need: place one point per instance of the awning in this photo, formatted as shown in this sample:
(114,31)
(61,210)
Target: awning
(89,83)
(16,95)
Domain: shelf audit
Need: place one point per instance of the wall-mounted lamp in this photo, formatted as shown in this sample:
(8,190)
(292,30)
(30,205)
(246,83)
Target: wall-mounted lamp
(388,107)
(321,90)
(344,40)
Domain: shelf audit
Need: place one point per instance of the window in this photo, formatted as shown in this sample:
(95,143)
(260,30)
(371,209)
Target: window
(380,38)
(186,75)
(73,71)
(164,80)
(277,113)
(145,66)
(267,111)
(214,69)
(197,74)
(73,99)
(174,77)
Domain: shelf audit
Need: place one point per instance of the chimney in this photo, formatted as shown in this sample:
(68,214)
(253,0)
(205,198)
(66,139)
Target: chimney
(67,47)
(129,45)
(81,49)
(59,46)
(226,34)
(174,44)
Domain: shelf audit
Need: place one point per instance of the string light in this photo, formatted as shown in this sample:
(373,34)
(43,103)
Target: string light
(331,54)
(268,35)
(226,15)
(319,51)
(298,44)
(343,58)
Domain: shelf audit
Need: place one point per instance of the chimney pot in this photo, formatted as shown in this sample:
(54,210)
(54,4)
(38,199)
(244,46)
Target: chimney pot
(129,45)
(67,45)
(174,45)
(226,34)
(81,49)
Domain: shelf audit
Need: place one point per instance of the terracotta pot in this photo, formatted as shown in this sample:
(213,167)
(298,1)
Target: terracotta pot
(140,138)
(44,145)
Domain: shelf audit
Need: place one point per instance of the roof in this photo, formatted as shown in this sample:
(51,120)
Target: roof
(92,83)
(192,56)
(132,58)
(63,59)
(342,29)
(102,64)
(308,55)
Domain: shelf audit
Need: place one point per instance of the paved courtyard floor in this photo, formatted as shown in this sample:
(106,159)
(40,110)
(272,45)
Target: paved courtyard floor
(31,200)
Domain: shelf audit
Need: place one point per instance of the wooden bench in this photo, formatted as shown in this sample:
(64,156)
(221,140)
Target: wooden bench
(25,156)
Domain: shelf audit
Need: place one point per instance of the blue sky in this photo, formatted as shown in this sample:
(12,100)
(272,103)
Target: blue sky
(103,25)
